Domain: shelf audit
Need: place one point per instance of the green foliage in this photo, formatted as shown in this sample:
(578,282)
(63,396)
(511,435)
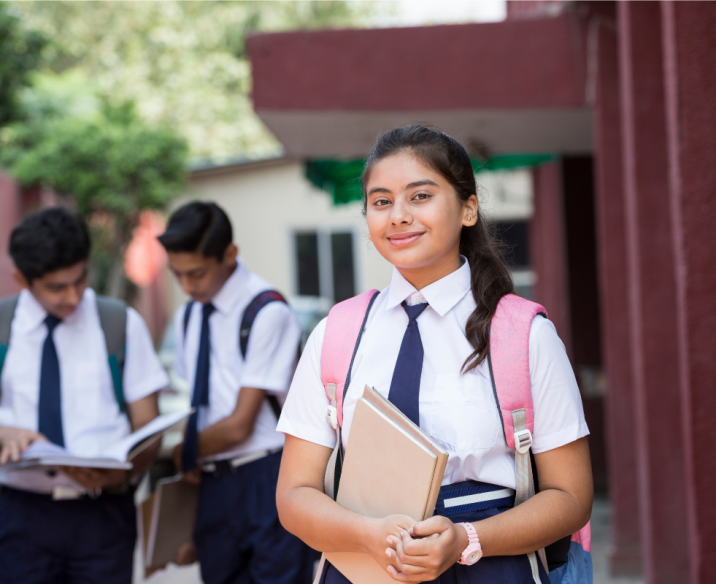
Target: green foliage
(108,162)
(182,63)
(20,52)
(102,163)
(101,156)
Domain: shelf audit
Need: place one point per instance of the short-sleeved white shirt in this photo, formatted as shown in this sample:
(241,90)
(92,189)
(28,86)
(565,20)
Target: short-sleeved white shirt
(91,419)
(271,356)
(457,410)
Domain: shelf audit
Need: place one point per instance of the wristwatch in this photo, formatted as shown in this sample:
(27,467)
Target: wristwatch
(473,551)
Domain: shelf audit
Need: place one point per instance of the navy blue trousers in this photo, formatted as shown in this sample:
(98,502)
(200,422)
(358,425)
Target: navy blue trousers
(83,541)
(492,570)
(238,536)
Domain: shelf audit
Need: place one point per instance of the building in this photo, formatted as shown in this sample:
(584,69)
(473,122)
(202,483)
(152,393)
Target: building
(622,97)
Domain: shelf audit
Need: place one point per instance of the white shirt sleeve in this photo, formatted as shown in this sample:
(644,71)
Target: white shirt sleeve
(143,372)
(559,415)
(304,413)
(272,349)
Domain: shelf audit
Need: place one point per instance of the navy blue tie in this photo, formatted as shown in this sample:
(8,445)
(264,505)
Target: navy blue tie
(49,419)
(405,385)
(200,397)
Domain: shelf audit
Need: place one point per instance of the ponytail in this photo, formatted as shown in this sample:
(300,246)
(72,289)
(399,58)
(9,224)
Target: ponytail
(490,279)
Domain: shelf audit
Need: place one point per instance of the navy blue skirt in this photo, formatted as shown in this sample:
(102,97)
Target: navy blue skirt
(455,502)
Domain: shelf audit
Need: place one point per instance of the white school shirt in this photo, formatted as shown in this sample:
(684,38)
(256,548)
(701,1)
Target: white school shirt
(271,356)
(457,410)
(91,420)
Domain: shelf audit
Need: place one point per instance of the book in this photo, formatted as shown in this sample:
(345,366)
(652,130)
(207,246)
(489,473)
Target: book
(391,467)
(42,453)
(167,520)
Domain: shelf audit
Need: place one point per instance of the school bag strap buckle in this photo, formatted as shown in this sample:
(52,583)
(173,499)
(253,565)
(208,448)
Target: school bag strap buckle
(523,441)
(332,410)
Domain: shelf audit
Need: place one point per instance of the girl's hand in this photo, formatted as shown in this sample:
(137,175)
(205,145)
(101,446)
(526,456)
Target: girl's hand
(426,550)
(385,529)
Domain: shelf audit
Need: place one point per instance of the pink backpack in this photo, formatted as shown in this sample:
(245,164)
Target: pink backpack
(508,362)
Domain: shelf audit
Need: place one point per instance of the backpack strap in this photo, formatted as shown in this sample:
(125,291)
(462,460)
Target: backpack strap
(344,329)
(247,321)
(113,320)
(250,314)
(509,363)
(187,315)
(7,313)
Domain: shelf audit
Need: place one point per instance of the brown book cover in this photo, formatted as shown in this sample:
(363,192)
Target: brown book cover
(391,466)
(168,520)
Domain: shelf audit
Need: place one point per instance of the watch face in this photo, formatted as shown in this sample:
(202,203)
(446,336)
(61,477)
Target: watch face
(473,557)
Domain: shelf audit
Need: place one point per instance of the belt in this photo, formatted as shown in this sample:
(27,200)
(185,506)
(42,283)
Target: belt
(66,493)
(218,468)
(468,496)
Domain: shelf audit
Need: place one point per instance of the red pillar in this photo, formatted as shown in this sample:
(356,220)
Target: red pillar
(652,297)
(625,555)
(549,258)
(689,36)
(10,214)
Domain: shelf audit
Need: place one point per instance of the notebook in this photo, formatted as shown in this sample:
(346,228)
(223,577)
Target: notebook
(391,466)
(167,521)
(42,453)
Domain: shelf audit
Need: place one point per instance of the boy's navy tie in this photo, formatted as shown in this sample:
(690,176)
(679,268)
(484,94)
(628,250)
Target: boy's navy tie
(200,397)
(50,409)
(405,385)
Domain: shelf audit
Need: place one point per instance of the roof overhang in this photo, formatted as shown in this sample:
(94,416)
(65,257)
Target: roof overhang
(514,86)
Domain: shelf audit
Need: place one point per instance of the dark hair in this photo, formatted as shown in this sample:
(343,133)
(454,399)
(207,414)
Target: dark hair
(198,227)
(490,279)
(47,241)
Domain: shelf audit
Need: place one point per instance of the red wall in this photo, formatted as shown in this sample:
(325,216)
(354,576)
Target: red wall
(689,36)
(10,213)
(513,64)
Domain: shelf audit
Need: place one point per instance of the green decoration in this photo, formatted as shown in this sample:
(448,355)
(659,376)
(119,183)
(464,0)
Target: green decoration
(341,178)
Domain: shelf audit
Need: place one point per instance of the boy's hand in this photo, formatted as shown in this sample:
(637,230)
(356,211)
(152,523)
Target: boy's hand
(14,441)
(95,478)
(186,554)
(426,550)
(193,477)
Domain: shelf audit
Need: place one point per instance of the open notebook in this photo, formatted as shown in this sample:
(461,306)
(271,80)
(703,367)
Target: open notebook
(120,455)
(391,466)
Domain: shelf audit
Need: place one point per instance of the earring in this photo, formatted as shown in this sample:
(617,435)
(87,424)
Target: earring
(469,217)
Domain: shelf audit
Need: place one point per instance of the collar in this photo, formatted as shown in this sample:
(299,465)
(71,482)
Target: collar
(31,315)
(442,295)
(230,292)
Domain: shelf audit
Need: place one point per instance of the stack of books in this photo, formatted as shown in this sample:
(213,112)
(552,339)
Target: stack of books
(391,467)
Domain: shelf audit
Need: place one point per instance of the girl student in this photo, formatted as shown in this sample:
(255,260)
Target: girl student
(420,203)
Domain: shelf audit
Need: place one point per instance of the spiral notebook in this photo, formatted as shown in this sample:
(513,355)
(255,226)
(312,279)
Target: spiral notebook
(391,466)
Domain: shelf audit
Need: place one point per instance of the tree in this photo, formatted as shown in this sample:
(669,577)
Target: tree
(20,52)
(182,63)
(107,161)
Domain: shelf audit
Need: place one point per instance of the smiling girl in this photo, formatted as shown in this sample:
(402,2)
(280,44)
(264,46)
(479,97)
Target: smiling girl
(421,207)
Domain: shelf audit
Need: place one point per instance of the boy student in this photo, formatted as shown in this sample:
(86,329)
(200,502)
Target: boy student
(80,371)
(237,341)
